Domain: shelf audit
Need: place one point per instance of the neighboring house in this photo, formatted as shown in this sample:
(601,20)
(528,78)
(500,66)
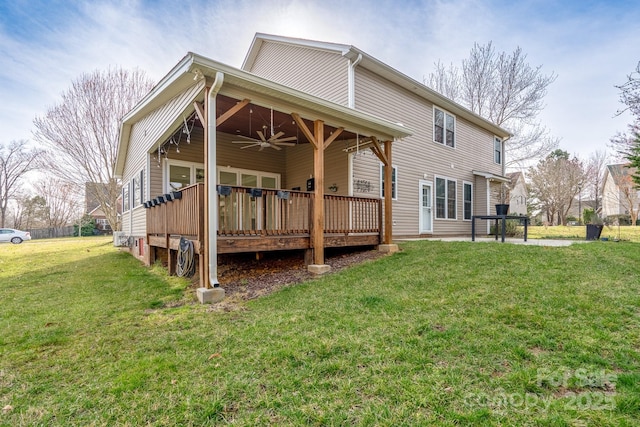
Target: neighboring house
(299,145)
(518,194)
(102,224)
(93,208)
(619,195)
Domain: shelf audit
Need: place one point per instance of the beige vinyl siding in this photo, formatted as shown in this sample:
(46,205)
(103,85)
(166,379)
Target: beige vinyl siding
(300,167)
(480,196)
(144,135)
(267,160)
(366,174)
(318,72)
(418,157)
(228,154)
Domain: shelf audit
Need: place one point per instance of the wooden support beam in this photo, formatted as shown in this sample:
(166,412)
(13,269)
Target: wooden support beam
(317,231)
(231,111)
(388,194)
(333,137)
(305,130)
(377,150)
(200,112)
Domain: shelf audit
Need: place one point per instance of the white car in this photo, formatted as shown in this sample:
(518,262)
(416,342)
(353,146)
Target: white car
(13,236)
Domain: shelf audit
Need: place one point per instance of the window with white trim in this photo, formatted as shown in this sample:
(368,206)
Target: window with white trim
(180,174)
(394,180)
(137,185)
(497,150)
(446,198)
(444,127)
(467,200)
(125,197)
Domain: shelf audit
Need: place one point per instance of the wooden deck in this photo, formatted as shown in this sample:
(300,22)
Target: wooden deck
(261,220)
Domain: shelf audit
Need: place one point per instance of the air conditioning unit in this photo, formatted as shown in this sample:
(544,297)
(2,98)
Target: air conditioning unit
(120,239)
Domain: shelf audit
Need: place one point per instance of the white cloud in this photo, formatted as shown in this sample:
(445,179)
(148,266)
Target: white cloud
(591,47)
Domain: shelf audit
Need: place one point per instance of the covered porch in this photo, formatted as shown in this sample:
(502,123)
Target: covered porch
(240,164)
(258,221)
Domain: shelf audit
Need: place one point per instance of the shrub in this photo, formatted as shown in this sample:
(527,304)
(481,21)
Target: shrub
(512,229)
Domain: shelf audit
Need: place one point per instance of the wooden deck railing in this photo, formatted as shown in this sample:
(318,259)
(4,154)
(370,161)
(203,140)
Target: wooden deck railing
(184,216)
(271,213)
(346,214)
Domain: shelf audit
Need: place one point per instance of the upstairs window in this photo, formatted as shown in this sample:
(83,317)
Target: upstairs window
(444,127)
(497,150)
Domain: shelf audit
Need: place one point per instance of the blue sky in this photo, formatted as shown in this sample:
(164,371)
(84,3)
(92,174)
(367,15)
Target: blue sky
(590,45)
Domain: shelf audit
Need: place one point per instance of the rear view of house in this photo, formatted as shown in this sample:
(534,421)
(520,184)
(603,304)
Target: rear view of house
(295,152)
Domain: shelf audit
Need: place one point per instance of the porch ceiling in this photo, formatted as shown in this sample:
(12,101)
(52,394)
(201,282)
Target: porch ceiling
(253,118)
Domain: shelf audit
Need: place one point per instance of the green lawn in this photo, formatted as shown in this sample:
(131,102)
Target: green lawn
(578,232)
(441,333)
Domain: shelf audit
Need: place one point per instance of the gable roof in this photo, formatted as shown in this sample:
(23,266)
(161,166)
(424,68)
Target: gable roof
(619,172)
(381,69)
(236,82)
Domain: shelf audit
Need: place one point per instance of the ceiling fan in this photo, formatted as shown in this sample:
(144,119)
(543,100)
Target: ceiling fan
(274,141)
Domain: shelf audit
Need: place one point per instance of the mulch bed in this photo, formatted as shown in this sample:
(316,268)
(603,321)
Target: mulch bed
(243,277)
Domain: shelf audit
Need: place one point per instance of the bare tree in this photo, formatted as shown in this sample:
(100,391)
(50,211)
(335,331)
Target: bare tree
(16,160)
(62,201)
(30,212)
(81,132)
(555,182)
(630,93)
(504,89)
(594,177)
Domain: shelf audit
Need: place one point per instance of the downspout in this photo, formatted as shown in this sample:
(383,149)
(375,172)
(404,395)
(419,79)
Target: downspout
(352,104)
(352,81)
(212,181)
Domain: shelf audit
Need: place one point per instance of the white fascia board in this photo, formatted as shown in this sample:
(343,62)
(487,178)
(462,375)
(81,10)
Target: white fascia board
(491,176)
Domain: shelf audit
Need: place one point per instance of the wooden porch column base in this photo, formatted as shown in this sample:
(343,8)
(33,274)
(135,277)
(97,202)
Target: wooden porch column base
(210,295)
(389,249)
(318,268)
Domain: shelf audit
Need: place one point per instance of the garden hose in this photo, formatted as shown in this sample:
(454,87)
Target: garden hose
(186,265)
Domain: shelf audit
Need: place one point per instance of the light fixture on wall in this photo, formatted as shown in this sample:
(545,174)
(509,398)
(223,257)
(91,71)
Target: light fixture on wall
(333,188)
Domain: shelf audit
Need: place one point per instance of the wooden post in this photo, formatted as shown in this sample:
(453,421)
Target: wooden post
(318,205)
(388,195)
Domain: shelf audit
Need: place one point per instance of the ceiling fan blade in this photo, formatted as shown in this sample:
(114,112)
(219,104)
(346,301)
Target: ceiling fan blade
(248,141)
(261,135)
(287,139)
(286,144)
(261,147)
(275,147)
(251,145)
(276,136)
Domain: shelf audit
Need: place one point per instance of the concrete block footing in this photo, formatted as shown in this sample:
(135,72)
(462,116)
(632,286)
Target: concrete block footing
(319,268)
(210,295)
(388,248)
